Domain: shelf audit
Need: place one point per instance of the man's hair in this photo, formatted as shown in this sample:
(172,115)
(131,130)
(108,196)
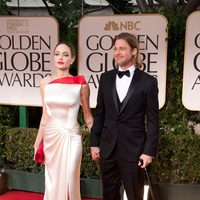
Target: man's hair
(133,43)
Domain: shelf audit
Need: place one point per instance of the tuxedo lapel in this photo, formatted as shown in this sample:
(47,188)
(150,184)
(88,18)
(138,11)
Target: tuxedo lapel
(114,90)
(130,90)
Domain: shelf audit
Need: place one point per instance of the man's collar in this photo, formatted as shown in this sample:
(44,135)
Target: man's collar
(131,68)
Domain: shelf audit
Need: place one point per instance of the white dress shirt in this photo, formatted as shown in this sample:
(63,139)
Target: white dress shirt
(122,84)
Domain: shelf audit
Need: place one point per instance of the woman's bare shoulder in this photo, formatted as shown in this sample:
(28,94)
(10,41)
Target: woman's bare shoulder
(46,80)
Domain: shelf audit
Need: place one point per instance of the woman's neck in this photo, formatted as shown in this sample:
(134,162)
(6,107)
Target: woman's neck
(63,73)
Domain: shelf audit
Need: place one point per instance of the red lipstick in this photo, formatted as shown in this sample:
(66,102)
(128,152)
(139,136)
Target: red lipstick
(60,62)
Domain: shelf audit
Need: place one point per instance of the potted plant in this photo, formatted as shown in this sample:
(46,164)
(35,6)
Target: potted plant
(176,170)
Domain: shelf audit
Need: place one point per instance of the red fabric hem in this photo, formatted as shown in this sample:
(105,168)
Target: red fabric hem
(70,80)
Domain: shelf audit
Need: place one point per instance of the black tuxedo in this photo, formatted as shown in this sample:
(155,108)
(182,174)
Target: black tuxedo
(130,129)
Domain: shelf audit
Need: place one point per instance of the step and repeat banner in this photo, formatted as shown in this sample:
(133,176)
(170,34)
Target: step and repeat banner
(26,55)
(191,74)
(96,35)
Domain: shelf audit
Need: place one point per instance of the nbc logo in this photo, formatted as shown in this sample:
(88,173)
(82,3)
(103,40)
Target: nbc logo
(128,25)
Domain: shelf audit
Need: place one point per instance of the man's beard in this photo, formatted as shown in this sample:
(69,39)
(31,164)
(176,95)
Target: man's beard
(125,62)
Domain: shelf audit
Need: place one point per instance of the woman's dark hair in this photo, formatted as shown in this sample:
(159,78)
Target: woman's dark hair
(70,45)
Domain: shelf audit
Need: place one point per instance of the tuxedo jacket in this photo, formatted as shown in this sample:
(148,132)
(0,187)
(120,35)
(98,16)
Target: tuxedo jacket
(132,129)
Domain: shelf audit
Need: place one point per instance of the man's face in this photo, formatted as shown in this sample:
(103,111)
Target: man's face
(123,54)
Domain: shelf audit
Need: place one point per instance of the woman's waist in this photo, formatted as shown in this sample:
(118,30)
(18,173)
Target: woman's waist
(66,125)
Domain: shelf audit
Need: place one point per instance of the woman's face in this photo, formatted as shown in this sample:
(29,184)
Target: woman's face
(63,57)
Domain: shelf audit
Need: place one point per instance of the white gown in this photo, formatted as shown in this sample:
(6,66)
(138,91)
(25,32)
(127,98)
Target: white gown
(62,139)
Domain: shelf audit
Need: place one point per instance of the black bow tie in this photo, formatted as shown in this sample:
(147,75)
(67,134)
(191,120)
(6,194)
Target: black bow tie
(122,73)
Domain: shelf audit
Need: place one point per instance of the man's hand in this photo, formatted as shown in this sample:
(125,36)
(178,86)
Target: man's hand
(95,153)
(145,160)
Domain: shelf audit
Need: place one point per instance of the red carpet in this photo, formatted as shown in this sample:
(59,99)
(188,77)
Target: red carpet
(23,195)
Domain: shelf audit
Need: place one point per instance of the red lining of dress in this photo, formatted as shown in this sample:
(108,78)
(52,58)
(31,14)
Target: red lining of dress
(70,80)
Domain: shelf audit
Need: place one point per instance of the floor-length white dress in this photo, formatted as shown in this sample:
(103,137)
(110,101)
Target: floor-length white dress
(62,139)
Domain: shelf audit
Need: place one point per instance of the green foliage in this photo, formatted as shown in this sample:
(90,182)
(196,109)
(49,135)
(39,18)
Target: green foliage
(9,115)
(2,146)
(68,14)
(89,168)
(17,152)
(178,159)
(19,149)
(4,10)
(121,7)
(174,117)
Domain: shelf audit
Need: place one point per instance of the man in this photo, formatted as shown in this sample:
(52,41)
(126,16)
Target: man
(126,125)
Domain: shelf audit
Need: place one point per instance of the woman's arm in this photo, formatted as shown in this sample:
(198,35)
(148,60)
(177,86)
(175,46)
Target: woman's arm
(85,94)
(43,120)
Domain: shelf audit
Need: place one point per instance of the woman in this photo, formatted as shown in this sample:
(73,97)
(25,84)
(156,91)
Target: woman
(62,95)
